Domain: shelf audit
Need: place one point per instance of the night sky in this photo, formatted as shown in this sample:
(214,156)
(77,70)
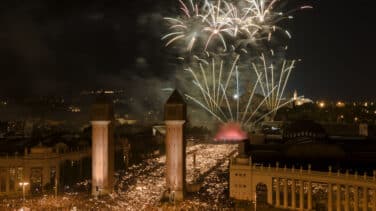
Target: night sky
(61,47)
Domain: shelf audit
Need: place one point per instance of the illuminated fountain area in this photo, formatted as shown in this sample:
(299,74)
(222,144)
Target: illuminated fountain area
(230,132)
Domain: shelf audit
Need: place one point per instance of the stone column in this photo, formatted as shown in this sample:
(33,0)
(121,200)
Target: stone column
(301,195)
(103,152)
(277,194)
(338,197)
(356,198)
(285,193)
(7,181)
(100,173)
(365,198)
(26,177)
(80,167)
(175,158)
(347,198)
(174,118)
(330,197)
(46,176)
(57,178)
(270,193)
(293,195)
(309,195)
(374,200)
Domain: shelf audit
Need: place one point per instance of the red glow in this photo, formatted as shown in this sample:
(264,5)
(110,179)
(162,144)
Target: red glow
(231,131)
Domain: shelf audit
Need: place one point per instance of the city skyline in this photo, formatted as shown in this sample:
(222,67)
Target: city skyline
(187,105)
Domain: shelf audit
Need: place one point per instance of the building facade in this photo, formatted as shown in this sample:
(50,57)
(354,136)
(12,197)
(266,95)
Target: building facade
(299,189)
(37,170)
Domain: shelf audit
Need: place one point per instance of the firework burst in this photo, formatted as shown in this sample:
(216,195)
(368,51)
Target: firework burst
(221,93)
(214,25)
(224,22)
(205,23)
(273,81)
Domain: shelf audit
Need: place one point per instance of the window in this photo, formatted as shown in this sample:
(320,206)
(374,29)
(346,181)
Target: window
(3,180)
(12,179)
(20,177)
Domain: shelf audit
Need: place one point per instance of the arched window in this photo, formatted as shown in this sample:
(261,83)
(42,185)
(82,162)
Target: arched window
(261,193)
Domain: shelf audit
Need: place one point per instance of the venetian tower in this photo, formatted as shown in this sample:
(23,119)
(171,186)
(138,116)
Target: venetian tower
(102,147)
(175,116)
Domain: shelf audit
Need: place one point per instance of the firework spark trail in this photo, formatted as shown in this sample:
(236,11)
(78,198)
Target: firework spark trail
(237,97)
(227,103)
(229,77)
(213,101)
(209,24)
(206,108)
(290,68)
(209,19)
(215,93)
(274,110)
(278,78)
(250,98)
(210,98)
(280,81)
(218,23)
(207,95)
(257,108)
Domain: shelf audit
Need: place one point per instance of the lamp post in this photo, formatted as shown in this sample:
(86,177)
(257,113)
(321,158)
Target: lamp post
(23,185)
(255,200)
(56,183)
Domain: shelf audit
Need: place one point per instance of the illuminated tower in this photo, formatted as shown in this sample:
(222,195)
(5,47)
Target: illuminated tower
(175,116)
(102,147)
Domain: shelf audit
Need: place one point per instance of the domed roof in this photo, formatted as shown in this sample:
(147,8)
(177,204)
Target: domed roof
(314,151)
(304,128)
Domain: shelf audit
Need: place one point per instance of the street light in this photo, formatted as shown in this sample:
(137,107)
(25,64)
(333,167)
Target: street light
(255,200)
(23,185)
(322,104)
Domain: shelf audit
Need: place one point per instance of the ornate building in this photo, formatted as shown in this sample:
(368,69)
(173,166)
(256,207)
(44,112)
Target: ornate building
(36,171)
(300,100)
(299,189)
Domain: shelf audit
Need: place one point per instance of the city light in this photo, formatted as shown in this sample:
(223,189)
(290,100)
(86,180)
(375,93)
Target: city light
(340,104)
(23,185)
